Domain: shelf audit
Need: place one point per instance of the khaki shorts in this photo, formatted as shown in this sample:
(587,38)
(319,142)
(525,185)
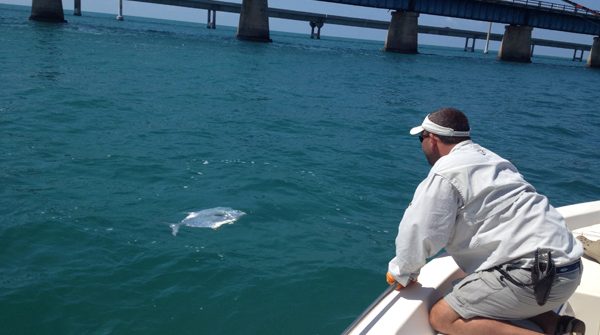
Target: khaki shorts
(487,294)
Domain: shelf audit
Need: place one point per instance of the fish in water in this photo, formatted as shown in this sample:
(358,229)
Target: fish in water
(208,218)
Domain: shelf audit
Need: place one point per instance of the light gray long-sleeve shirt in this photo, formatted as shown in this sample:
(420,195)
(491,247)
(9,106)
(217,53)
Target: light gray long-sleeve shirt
(478,207)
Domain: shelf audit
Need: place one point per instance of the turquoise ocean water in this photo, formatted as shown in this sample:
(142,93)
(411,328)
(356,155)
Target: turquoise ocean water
(110,131)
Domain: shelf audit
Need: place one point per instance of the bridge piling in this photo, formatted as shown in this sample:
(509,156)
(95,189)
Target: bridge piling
(47,11)
(319,26)
(516,44)
(472,47)
(487,39)
(120,15)
(594,56)
(313,25)
(403,33)
(578,58)
(211,23)
(254,21)
(77,8)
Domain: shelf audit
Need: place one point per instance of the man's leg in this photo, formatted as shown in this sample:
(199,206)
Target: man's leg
(444,319)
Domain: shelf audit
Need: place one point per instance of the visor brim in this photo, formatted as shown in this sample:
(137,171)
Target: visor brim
(416,130)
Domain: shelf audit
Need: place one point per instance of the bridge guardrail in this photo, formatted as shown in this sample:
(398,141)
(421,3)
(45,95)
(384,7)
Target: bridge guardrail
(553,6)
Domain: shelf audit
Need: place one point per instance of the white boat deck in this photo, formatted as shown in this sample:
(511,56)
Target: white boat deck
(587,297)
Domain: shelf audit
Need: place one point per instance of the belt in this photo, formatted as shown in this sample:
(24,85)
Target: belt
(569,268)
(559,269)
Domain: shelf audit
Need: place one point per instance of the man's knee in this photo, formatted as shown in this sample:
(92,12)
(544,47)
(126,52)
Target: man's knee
(441,316)
(434,318)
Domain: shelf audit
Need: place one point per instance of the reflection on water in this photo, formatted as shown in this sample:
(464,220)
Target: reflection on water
(47,43)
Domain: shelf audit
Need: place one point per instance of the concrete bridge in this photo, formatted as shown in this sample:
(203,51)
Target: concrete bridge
(517,44)
(521,16)
(531,13)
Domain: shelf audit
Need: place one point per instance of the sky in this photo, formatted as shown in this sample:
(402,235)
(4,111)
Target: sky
(132,8)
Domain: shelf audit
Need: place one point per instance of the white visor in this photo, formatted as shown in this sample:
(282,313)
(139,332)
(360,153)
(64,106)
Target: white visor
(437,129)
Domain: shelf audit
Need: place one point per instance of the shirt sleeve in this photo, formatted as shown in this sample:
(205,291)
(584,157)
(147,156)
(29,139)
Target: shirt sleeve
(426,227)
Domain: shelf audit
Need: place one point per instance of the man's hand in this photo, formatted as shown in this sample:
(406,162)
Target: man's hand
(390,280)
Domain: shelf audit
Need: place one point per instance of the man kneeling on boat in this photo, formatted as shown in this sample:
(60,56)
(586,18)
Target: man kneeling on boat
(521,260)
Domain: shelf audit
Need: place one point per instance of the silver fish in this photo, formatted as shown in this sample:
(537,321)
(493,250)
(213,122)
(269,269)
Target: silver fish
(208,218)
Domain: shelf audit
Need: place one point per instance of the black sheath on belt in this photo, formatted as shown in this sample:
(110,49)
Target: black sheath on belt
(542,276)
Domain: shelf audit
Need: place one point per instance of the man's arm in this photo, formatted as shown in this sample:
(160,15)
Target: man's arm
(427,225)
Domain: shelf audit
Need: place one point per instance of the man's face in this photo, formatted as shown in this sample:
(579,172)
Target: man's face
(429,147)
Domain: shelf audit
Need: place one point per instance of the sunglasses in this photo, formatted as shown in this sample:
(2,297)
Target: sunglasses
(421,137)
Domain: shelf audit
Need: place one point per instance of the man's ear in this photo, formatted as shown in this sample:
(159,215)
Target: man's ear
(434,138)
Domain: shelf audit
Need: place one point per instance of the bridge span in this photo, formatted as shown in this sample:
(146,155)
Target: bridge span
(317,21)
(531,13)
(521,16)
